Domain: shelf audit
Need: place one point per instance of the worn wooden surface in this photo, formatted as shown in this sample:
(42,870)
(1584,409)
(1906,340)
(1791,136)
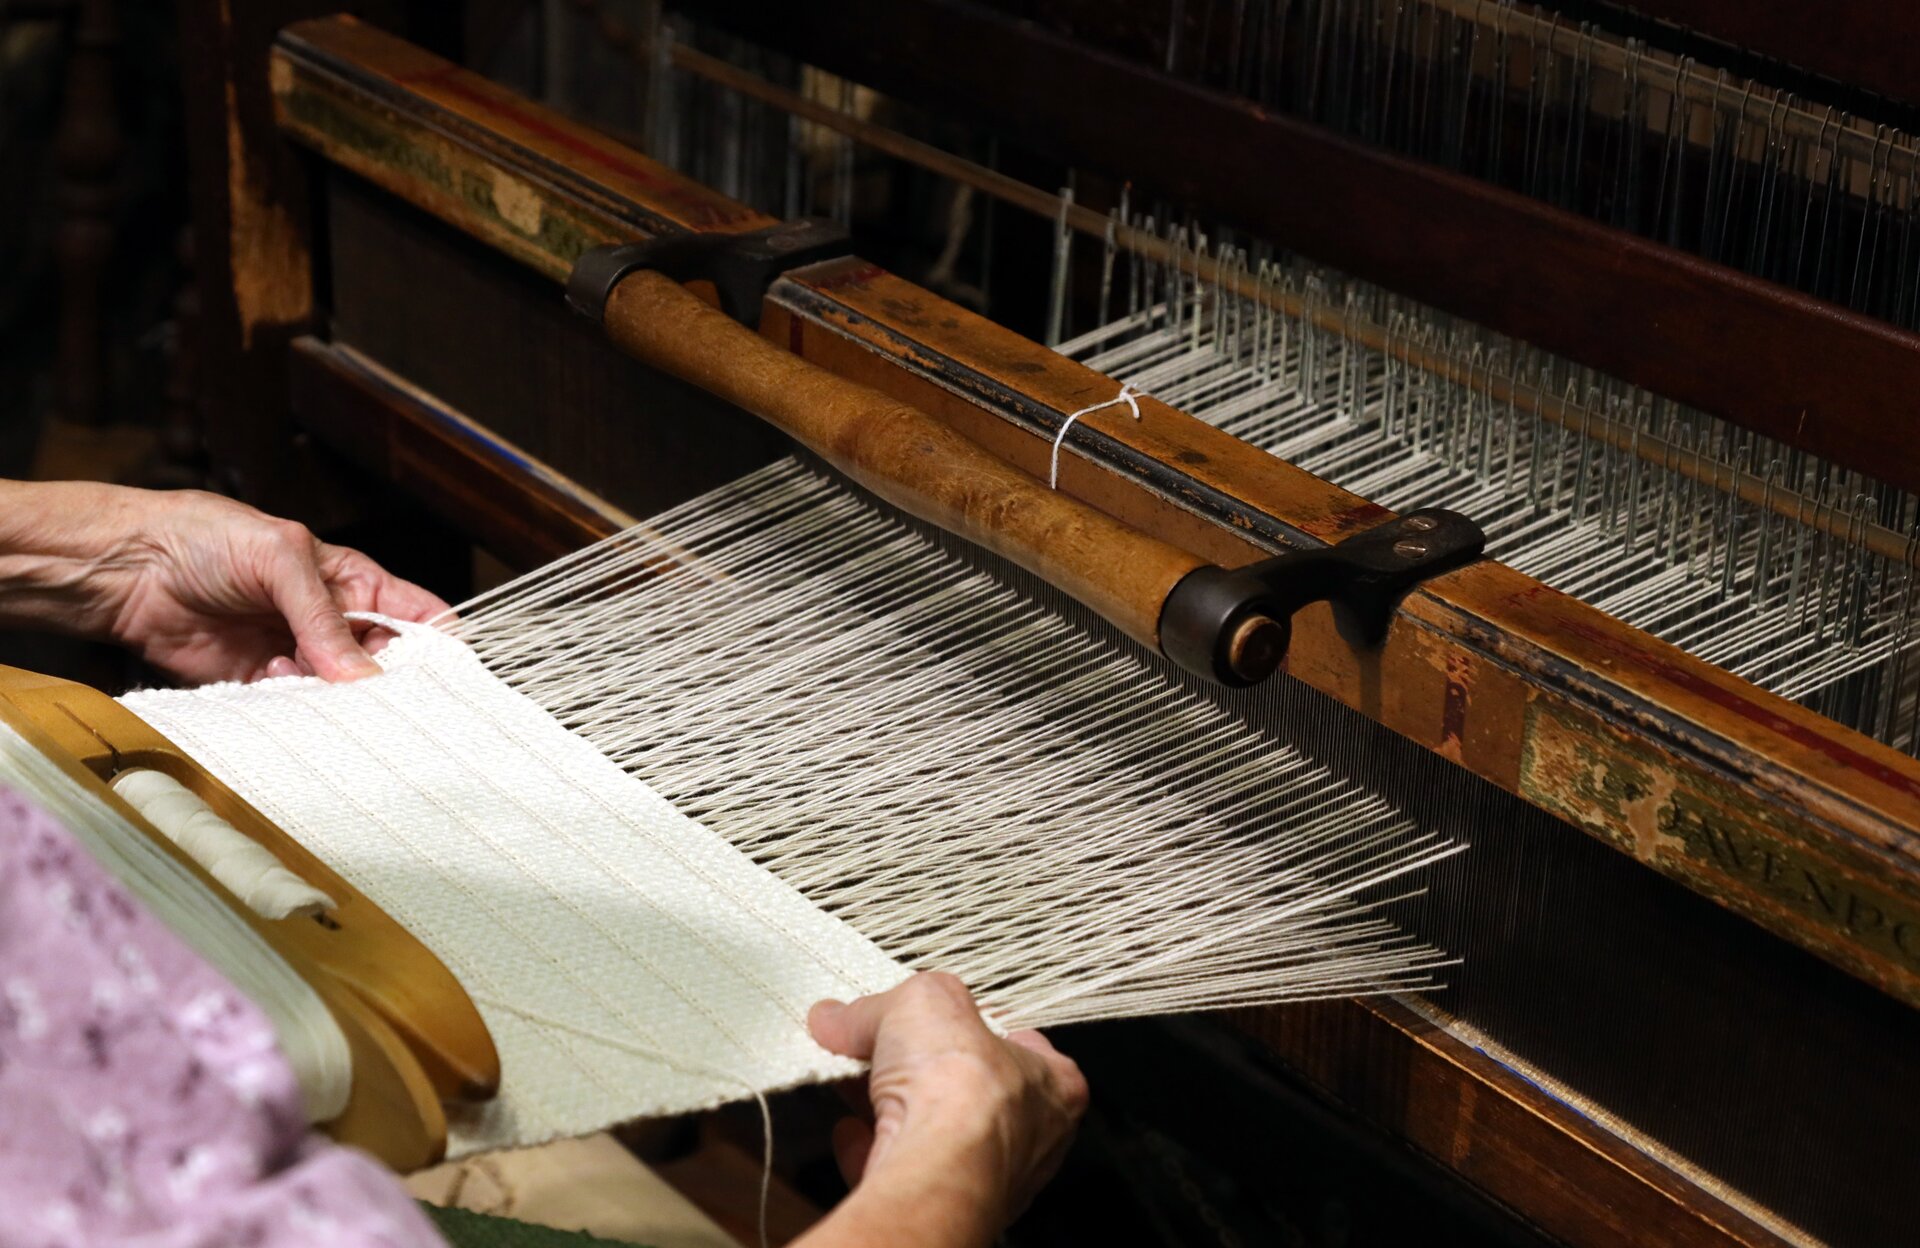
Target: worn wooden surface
(1829,381)
(517,177)
(919,464)
(253,268)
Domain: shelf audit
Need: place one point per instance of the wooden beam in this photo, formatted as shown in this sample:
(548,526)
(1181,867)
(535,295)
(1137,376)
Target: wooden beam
(1764,806)
(1396,1069)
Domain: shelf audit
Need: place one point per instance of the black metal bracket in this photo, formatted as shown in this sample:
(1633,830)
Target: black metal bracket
(740,266)
(1201,622)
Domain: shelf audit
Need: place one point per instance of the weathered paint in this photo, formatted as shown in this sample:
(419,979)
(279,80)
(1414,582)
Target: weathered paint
(1722,840)
(456,184)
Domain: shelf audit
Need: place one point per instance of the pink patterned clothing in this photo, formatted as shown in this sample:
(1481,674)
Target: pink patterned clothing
(143,1102)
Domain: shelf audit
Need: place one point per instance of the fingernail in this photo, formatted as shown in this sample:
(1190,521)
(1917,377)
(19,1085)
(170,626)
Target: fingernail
(359,666)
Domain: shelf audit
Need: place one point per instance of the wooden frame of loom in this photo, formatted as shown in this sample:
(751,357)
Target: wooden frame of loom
(1768,808)
(1467,671)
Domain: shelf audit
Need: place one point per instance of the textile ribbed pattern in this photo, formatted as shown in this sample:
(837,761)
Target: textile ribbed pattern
(556,887)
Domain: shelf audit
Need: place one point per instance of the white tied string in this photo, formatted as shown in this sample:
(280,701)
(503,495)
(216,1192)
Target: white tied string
(1126,396)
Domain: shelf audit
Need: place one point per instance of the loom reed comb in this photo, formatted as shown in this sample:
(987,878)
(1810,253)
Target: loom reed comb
(415,1036)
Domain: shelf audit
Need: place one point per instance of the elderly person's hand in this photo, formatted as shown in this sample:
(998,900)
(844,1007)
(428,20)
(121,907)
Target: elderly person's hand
(965,1126)
(202,587)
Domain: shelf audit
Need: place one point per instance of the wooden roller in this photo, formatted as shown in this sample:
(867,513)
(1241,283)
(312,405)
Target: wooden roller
(923,467)
(415,1035)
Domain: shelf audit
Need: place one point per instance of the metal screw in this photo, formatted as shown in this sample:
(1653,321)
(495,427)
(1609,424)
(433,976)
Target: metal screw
(1419,524)
(1410,548)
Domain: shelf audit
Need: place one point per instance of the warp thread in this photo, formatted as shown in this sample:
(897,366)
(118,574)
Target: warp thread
(1126,396)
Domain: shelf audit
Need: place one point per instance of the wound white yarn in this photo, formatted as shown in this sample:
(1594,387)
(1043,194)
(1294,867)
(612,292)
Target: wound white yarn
(246,868)
(310,1039)
(1126,396)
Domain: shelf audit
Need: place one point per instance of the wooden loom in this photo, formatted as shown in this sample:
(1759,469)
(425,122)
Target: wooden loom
(1758,806)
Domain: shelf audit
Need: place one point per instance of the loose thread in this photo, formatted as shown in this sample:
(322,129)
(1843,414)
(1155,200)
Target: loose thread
(1125,396)
(679,1063)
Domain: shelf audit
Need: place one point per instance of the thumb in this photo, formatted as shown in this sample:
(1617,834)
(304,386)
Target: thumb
(320,633)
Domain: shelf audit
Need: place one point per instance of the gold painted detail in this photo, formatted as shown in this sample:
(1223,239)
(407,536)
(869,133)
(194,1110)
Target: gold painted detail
(1716,838)
(540,229)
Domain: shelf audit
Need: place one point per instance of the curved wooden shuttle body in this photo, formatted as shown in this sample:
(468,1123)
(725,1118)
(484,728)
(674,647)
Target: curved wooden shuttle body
(1643,768)
(416,1038)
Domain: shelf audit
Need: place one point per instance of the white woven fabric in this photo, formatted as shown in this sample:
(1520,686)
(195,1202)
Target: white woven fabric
(552,883)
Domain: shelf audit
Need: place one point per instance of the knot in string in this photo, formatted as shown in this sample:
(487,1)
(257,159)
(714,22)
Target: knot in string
(1125,396)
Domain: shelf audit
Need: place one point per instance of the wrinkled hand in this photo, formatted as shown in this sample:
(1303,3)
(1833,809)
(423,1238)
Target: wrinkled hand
(954,1108)
(203,587)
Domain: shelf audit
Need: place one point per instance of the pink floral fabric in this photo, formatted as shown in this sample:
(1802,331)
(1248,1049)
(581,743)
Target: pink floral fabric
(143,1103)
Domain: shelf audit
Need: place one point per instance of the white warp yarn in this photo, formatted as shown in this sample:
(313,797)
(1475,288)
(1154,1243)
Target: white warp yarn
(551,882)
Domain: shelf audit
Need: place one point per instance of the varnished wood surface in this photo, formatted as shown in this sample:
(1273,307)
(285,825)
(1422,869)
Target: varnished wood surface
(919,464)
(1827,380)
(414,1035)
